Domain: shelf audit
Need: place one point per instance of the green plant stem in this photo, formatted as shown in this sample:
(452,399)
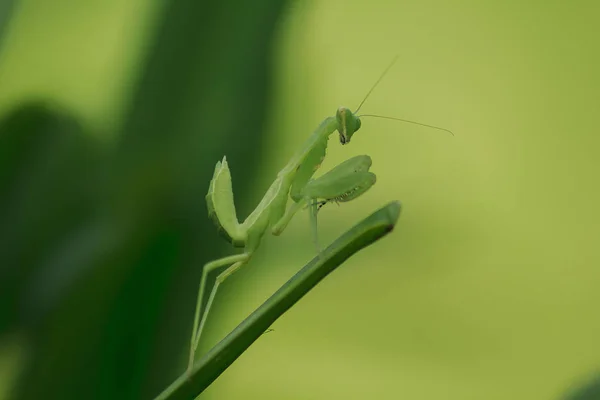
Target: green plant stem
(220,357)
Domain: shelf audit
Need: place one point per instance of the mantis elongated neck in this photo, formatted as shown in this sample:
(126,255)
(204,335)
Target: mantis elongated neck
(306,160)
(319,136)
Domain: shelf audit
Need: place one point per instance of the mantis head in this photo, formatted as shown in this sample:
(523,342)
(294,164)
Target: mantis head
(348,124)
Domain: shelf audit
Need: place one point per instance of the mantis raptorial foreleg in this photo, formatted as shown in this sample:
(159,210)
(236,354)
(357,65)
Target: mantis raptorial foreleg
(343,183)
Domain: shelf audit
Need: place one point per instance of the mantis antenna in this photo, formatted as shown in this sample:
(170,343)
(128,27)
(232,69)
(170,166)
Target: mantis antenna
(377,83)
(392,118)
(408,121)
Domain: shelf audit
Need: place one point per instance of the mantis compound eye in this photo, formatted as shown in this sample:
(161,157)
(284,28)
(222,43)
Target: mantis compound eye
(358,123)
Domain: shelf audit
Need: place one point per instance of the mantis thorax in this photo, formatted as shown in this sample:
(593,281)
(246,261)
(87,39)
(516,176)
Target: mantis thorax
(348,124)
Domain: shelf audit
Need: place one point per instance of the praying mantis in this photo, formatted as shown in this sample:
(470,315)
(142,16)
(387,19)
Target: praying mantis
(294,182)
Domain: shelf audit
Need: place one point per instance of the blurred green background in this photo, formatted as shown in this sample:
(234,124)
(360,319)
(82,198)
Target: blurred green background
(113,113)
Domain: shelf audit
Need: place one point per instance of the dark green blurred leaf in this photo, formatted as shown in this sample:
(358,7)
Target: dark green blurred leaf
(47,173)
(589,391)
(123,278)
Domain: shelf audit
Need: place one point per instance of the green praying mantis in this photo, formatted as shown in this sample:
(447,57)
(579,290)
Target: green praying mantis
(294,182)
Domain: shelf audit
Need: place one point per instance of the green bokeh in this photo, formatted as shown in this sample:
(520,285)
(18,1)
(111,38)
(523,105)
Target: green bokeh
(488,289)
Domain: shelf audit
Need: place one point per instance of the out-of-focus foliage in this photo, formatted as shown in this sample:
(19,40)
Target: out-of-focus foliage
(103,242)
(589,391)
(487,289)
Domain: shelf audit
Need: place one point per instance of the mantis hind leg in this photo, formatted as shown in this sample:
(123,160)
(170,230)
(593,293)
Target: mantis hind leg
(235,263)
